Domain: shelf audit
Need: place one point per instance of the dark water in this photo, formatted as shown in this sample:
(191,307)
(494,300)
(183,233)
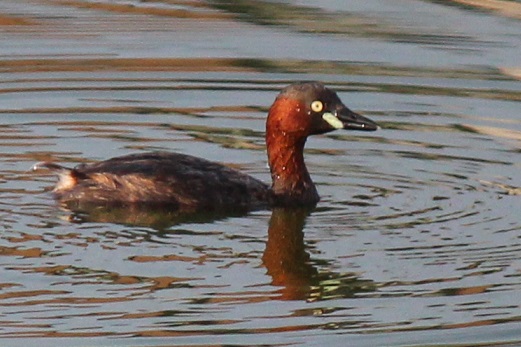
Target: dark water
(416,240)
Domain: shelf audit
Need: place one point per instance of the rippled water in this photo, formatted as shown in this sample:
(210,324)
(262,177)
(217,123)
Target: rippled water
(416,239)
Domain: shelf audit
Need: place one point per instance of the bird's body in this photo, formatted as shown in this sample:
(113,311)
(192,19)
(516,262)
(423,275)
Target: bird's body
(161,178)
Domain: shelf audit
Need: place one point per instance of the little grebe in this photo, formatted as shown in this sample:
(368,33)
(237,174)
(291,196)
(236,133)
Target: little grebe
(188,183)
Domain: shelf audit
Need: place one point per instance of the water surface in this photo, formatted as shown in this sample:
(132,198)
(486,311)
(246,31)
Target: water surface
(416,239)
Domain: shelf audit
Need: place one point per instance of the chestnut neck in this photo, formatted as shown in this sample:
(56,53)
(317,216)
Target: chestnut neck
(292,184)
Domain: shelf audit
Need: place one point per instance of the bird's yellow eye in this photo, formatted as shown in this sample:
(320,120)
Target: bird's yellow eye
(317,106)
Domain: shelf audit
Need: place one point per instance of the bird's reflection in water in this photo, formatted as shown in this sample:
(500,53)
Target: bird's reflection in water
(159,218)
(290,267)
(285,256)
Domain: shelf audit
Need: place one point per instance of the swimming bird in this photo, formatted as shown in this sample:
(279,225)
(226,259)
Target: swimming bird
(187,183)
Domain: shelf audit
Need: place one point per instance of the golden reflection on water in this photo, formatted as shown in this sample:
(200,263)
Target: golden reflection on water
(195,10)
(93,64)
(10,20)
(503,7)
